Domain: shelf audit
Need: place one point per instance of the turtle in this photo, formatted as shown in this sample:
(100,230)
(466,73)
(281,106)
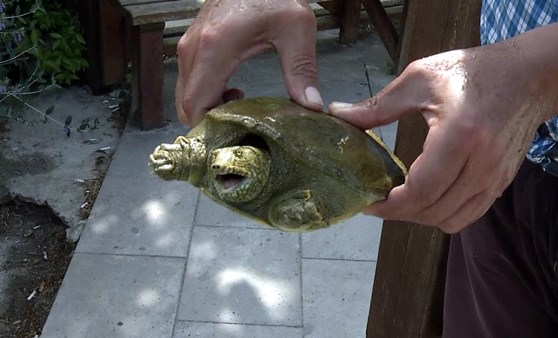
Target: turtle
(275,161)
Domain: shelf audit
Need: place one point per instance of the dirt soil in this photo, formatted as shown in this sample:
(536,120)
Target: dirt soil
(36,262)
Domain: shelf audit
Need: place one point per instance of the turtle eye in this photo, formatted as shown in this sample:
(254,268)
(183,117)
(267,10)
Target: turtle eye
(238,152)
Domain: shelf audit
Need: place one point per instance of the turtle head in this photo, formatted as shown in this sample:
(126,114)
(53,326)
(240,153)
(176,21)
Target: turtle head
(183,160)
(239,173)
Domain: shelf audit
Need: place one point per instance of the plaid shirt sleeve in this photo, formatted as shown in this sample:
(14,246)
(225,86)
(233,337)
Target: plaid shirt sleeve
(503,19)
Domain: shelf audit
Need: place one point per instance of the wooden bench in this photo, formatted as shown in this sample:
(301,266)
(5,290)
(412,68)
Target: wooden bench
(145,27)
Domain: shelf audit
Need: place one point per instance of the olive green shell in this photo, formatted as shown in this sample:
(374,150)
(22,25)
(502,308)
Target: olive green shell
(344,167)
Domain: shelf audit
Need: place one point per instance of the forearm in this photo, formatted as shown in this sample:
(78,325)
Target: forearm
(538,50)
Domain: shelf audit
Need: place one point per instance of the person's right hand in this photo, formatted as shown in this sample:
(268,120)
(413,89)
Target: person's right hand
(226,33)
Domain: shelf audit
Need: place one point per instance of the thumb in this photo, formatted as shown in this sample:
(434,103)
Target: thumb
(403,95)
(297,53)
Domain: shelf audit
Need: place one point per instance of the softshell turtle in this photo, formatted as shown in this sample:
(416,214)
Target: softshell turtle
(273,160)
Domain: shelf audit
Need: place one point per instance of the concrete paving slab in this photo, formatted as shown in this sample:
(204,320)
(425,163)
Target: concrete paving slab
(357,238)
(219,330)
(39,163)
(242,276)
(213,214)
(116,296)
(140,216)
(336,297)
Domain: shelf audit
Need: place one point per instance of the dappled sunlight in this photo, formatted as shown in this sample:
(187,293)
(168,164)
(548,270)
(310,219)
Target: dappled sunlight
(202,253)
(166,240)
(147,297)
(273,293)
(235,330)
(228,315)
(105,224)
(155,212)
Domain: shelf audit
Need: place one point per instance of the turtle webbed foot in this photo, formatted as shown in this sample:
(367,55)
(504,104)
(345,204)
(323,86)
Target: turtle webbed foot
(297,212)
(163,160)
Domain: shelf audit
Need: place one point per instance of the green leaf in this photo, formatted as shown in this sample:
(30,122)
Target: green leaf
(83,126)
(34,36)
(56,35)
(68,120)
(80,39)
(49,110)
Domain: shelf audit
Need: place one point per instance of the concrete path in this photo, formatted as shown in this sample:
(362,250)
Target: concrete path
(158,259)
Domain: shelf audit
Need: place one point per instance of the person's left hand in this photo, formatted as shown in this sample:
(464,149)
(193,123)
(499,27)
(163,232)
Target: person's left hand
(482,107)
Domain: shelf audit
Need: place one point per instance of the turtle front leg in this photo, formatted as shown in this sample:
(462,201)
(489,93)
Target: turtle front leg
(170,161)
(296,212)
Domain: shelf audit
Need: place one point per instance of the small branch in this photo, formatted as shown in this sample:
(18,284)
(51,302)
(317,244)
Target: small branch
(38,111)
(38,91)
(15,57)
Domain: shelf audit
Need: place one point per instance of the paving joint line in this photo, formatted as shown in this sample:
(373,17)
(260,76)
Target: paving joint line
(189,245)
(340,259)
(234,323)
(126,255)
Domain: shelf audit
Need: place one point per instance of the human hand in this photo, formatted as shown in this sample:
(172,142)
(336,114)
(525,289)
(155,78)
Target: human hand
(482,107)
(226,33)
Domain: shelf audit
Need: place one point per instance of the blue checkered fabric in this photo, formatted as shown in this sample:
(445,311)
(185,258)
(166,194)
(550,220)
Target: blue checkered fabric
(503,19)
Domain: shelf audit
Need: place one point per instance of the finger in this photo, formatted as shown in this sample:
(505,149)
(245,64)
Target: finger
(405,94)
(297,54)
(465,187)
(207,83)
(185,51)
(470,212)
(443,158)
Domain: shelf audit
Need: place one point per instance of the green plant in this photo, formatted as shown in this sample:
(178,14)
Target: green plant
(40,47)
(56,41)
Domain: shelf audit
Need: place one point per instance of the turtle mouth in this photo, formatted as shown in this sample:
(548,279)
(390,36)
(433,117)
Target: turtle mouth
(229,181)
(234,184)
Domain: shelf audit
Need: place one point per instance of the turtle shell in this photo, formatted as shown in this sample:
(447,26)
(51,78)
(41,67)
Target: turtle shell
(348,166)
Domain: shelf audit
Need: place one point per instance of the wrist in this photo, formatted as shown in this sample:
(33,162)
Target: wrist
(537,51)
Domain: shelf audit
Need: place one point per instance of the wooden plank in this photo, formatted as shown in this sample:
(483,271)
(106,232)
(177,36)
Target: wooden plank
(408,287)
(161,12)
(333,6)
(141,2)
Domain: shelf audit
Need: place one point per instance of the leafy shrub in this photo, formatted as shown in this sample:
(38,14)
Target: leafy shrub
(57,42)
(40,46)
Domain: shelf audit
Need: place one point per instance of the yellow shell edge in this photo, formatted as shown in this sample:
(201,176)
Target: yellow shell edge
(391,154)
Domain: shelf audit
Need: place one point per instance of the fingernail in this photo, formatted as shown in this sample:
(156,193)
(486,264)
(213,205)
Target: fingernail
(340,105)
(313,96)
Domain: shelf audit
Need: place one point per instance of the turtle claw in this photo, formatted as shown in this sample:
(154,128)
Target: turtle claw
(297,212)
(162,162)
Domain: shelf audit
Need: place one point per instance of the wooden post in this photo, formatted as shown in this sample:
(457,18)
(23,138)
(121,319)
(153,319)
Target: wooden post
(147,74)
(89,19)
(408,288)
(111,34)
(350,15)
